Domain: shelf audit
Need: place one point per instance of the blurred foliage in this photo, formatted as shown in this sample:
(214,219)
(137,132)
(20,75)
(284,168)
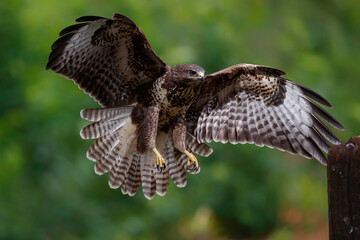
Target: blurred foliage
(47,186)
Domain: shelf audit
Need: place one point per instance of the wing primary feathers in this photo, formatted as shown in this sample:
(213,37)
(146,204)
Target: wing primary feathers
(57,50)
(299,130)
(54,58)
(310,93)
(72,28)
(317,153)
(88,18)
(319,140)
(314,95)
(62,41)
(55,54)
(325,115)
(324,130)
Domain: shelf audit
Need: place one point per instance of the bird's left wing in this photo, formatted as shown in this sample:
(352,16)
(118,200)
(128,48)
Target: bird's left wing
(254,104)
(110,59)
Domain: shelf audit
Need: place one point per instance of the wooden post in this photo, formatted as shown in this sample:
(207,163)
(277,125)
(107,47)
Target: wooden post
(344,190)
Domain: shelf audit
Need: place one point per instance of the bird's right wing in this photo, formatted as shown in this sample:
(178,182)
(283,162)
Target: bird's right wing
(110,59)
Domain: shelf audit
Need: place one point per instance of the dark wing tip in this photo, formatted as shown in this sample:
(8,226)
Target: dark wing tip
(120,17)
(58,50)
(61,41)
(320,99)
(47,66)
(321,159)
(314,95)
(325,115)
(117,16)
(339,126)
(88,18)
(71,28)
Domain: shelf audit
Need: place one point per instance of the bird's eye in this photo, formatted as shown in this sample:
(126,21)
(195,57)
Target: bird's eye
(192,73)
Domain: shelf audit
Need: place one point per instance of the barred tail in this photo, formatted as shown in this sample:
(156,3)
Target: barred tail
(115,152)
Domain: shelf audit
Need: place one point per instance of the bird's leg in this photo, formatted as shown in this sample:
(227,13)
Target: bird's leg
(147,118)
(179,138)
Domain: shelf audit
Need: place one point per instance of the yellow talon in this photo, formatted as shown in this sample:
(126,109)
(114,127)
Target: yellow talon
(192,159)
(160,162)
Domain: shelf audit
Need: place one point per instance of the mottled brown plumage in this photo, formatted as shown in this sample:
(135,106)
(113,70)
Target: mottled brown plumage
(177,108)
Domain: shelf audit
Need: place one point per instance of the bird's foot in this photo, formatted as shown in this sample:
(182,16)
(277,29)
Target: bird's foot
(192,162)
(160,162)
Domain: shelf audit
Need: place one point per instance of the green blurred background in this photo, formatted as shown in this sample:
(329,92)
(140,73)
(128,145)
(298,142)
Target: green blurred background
(48,189)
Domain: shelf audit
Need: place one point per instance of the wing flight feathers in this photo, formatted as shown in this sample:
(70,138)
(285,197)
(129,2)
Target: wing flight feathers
(110,59)
(270,110)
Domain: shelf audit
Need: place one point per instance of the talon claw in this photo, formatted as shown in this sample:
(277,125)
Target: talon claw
(191,167)
(192,162)
(160,162)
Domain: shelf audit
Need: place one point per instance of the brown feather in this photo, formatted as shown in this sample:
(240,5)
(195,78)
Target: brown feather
(105,60)
(132,179)
(254,104)
(118,171)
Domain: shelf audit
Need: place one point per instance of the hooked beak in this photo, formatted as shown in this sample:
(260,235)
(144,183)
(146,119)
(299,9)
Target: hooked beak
(202,77)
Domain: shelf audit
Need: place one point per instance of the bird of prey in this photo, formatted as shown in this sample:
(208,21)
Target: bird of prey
(154,117)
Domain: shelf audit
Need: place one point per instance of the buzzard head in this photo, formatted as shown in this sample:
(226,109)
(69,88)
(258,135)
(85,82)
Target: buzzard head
(188,74)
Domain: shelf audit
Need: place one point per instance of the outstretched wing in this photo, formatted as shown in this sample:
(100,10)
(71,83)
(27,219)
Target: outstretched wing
(110,59)
(254,104)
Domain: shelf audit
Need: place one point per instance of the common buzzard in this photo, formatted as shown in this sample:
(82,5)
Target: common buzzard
(154,117)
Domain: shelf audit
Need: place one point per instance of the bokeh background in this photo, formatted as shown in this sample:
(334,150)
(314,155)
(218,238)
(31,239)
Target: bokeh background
(48,189)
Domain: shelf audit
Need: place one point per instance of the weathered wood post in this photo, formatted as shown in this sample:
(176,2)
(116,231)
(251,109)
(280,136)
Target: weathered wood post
(343,173)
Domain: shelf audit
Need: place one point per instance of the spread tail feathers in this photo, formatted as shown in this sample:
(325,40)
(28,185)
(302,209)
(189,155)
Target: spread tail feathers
(115,152)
